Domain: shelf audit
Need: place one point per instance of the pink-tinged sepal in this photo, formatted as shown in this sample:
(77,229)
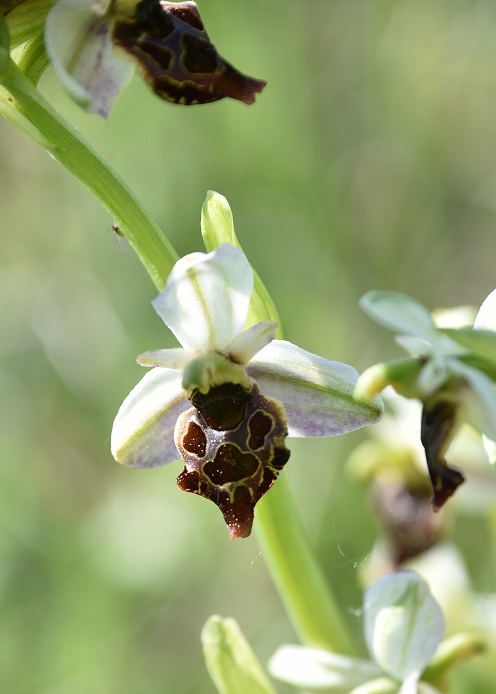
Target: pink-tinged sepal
(78,41)
(233,446)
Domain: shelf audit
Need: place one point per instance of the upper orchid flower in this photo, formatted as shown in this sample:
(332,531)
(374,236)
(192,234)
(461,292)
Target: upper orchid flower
(248,391)
(452,372)
(90,43)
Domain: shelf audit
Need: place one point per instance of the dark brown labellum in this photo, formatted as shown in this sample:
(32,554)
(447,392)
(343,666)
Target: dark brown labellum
(176,57)
(233,446)
(437,428)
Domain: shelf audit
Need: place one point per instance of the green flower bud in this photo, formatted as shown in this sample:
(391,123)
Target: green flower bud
(230,660)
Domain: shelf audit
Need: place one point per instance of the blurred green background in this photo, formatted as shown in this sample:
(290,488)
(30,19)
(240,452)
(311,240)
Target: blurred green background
(368,162)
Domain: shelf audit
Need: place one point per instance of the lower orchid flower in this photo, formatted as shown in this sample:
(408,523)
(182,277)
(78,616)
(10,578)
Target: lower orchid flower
(226,401)
(403,628)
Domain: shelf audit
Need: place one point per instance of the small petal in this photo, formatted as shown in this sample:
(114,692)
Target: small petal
(399,312)
(77,36)
(410,684)
(432,376)
(403,624)
(167,358)
(486,316)
(317,393)
(380,685)
(479,400)
(205,300)
(317,669)
(481,343)
(417,346)
(249,342)
(490,448)
(143,431)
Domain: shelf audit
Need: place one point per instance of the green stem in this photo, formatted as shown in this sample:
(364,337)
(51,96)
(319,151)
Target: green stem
(289,556)
(297,574)
(77,156)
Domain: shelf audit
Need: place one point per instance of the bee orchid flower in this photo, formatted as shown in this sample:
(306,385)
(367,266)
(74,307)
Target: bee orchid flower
(227,399)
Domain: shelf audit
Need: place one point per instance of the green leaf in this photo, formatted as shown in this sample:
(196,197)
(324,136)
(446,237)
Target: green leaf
(231,663)
(481,342)
(4,46)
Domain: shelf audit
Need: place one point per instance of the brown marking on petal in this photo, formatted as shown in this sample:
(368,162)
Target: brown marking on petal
(280,456)
(260,425)
(437,429)
(238,513)
(189,481)
(187,12)
(198,54)
(232,474)
(175,56)
(194,440)
(230,465)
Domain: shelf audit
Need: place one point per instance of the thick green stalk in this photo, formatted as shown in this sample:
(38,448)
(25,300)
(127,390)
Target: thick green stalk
(290,558)
(77,156)
(298,576)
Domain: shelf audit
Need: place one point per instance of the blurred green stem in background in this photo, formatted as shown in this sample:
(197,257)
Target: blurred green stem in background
(290,558)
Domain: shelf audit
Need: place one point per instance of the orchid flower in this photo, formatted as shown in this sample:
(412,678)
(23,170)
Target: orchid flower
(90,43)
(226,400)
(403,627)
(451,371)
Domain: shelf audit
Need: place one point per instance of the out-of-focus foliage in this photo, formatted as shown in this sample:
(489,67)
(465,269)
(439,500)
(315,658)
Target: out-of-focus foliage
(369,162)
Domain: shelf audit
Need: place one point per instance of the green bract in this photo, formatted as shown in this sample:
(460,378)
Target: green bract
(230,661)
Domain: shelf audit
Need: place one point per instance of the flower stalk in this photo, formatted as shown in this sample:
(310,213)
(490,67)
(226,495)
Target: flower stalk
(299,578)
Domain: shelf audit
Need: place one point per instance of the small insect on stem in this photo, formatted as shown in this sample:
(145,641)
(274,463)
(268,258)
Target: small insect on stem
(119,236)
